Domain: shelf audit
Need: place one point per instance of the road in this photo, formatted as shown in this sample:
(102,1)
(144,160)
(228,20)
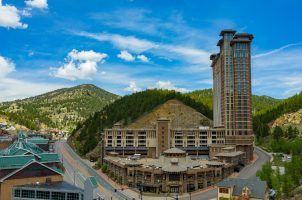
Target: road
(247,172)
(73,172)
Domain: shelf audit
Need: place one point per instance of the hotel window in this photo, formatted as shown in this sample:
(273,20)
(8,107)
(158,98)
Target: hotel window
(17,193)
(43,195)
(72,196)
(28,194)
(58,196)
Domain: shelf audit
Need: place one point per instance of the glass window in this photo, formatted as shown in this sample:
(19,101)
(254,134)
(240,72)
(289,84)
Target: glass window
(58,196)
(43,195)
(28,193)
(73,196)
(17,193)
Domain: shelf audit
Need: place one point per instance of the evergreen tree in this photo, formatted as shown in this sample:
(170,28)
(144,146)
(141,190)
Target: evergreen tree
(289,132)
(277,133)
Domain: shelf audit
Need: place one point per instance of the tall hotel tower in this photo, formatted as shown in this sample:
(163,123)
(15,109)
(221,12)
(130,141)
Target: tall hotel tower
(232,90)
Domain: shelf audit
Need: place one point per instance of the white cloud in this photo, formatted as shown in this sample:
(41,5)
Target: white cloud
(132,87)
(278,72)
(80,65)
(6,67)
(143,58)
(122,42)
(10,17)
(86,55)
(168,85)
(40,4)
(125,55)
(188,54)
(276,50)
(134,44)
(12,89)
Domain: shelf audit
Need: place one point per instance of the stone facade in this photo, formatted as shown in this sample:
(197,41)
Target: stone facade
(173,172)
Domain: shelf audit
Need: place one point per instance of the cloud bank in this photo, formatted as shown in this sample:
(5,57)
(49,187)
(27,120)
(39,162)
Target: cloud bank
(80,65)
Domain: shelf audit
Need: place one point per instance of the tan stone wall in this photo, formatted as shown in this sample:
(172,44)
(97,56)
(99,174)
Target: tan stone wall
(6,186)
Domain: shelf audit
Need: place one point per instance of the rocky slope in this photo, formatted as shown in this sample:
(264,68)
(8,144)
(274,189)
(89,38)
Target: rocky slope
(289,119)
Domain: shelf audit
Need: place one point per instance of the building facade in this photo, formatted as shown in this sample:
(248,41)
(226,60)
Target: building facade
(242,189)
(232,102)
(179,126)
(152,142)
(173,172)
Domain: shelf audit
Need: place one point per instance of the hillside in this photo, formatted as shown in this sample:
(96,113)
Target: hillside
(266,117)
(259,102)
(126,110)
(61,109)
(179,114)
(294,118)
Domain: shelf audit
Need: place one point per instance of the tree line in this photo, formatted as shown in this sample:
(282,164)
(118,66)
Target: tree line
(125,110)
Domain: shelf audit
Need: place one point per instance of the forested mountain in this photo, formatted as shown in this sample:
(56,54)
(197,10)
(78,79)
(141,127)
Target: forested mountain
(126,110)
(61,109)
(266,116)
(259,102)
(283,137)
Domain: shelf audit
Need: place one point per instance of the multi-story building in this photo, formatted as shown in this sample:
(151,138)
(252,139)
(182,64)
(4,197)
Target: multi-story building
(174,124)
(232,103)
(173,172)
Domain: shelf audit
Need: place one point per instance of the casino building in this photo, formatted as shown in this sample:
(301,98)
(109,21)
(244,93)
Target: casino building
(176,149)
(232,102)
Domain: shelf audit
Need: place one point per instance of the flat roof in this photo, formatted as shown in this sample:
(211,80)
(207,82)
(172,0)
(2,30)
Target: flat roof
(56,186)
(227,31)
(229,154)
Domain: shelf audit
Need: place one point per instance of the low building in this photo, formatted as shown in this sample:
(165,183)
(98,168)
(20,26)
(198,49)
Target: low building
(173,172)
(50,190)
(25,163)
(41,142)
(57,190)
(6,139)
(242,189)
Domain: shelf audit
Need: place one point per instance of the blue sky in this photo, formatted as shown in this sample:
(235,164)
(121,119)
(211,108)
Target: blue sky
(125,46)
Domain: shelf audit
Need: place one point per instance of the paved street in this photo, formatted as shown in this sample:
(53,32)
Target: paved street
(247,172)
(77,169)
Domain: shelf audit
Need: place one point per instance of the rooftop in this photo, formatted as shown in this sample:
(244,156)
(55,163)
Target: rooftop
(58,186)
(92,180)
(256,186)
(37,140)
(18,161)
(21,147)
(227,31)
(166,163)
(174,151)
(229,154)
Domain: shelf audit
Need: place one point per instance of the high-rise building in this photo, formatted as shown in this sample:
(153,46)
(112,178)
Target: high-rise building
(232,90)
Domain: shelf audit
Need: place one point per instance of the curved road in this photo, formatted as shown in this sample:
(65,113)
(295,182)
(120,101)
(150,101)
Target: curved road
(62,144)
(247,172)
